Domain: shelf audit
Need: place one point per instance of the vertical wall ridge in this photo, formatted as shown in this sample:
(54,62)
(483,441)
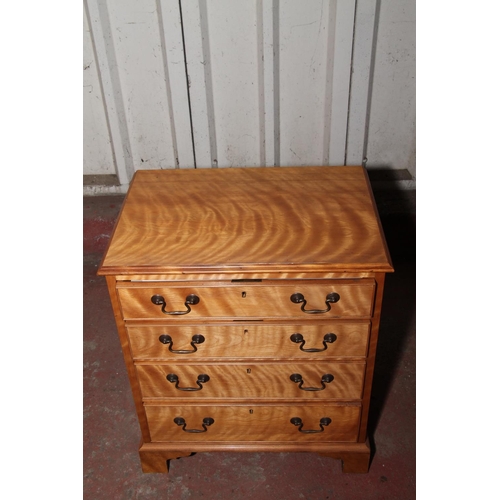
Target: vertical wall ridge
(205,37)
(370,78)
(100,27)
(276,82)
(261,94)
(98,159)
(341,71)
(167,81)
(328,114)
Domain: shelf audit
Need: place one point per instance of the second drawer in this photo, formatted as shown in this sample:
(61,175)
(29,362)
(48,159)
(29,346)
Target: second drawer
(319,340)
(336,380)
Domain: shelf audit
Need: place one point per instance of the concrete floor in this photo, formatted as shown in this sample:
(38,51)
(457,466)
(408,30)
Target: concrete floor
(111,437)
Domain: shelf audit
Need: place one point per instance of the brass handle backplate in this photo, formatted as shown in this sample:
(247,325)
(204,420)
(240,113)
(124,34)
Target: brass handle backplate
(325,379)
(167,339)
(331,298)
(202,379)
(191,300)
(322,423)
(298,338)
(207,422)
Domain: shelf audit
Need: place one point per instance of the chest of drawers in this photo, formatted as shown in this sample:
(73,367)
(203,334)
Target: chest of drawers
(248,302)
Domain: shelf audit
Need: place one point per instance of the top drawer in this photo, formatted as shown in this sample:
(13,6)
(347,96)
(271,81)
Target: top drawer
(304,299)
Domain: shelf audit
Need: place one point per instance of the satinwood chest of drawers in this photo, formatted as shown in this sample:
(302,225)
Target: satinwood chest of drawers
(248,302)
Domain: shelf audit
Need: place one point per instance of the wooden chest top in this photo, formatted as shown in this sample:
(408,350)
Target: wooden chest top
(264,219)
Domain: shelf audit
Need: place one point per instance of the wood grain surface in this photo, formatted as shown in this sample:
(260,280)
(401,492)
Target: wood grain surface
(249,340)
(268,299)
(254,423)
(355,456)
(269,219)
(247,380)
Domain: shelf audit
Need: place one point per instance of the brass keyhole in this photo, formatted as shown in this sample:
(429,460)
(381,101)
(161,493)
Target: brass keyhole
(243,294)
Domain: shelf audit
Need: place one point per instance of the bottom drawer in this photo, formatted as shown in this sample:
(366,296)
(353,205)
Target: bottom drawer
(254,423)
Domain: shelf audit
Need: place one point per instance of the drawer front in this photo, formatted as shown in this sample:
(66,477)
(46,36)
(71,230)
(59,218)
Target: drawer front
(265,381)
(253,423)
(246,340)
(329,299)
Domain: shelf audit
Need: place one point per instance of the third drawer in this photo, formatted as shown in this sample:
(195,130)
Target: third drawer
(335,380)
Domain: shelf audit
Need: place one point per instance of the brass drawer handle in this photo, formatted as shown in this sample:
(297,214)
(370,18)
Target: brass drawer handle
(167,339)
(202,379)
(322,423)
(325,379)
(331,298)
(207,422)
(191,300)
(298,338)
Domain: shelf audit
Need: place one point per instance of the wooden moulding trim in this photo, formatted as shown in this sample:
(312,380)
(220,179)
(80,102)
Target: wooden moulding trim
(349,361)
(243,268)
(241,320)
(250,446)
(135,323)
(175,402)
(240,361)
(211,402)
(236,284)
(241,275)
(355,457)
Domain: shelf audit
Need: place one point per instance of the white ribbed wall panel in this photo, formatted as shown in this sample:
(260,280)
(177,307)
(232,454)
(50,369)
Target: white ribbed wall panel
(269,80)
(97,150)
(139,49)
(268,83)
